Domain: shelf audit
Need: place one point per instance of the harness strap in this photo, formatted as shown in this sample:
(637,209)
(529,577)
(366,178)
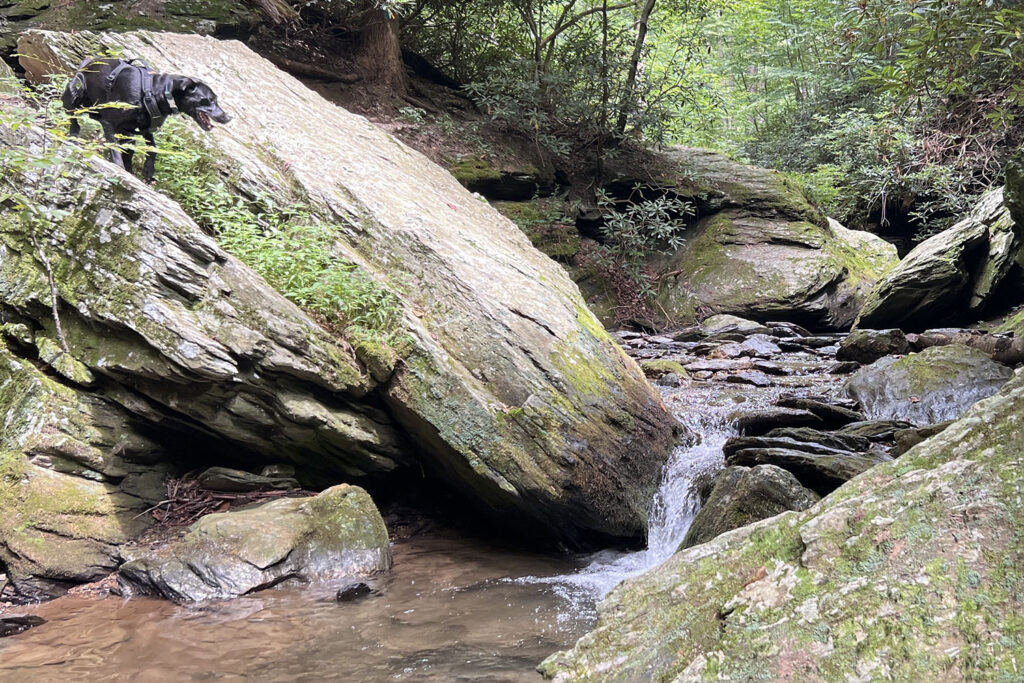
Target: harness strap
(157,105)
(112,77)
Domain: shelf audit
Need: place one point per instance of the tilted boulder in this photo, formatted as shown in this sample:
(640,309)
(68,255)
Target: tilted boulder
(905,573)
(233,17)
(509,387)
(949,275)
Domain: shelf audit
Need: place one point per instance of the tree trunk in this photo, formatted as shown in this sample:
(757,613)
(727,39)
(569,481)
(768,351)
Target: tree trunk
(634,65)
(379,56)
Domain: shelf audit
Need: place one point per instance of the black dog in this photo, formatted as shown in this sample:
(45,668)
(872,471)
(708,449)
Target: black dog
(152,98)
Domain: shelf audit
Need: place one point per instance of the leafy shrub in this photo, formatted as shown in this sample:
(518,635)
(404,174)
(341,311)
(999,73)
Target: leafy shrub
(292,250)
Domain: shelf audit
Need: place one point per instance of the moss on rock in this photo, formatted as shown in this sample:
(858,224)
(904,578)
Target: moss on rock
(911,571)
(336,534)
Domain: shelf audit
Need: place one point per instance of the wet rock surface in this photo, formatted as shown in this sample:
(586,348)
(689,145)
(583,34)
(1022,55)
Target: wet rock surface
(938,384)
(867,346)
(903,573)
(744,495)
(13,625)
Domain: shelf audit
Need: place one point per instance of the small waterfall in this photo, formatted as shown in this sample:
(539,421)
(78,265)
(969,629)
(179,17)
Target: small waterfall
(675,505)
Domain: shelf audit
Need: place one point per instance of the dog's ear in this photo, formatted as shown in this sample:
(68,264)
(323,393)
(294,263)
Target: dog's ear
(185,84)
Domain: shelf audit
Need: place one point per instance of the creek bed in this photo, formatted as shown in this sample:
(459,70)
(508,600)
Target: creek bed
(453,608)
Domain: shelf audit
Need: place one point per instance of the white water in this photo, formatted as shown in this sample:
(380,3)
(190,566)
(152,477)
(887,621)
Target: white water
(675,505)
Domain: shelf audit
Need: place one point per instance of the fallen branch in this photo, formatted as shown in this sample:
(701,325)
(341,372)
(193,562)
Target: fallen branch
(310,71)
(1000,348)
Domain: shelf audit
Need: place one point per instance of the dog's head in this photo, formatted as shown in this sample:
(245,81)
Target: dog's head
(196,99)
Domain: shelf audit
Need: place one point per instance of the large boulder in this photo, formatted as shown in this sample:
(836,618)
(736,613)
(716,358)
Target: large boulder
(744,495)
(949,274)
(760,250)
(508,386)
(336,535)
(908,572)
(938,384)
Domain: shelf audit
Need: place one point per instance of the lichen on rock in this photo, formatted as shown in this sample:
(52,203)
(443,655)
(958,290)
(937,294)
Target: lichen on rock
(909,572)
(335,535)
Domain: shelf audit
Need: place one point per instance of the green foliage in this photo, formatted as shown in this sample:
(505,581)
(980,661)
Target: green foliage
(574,76)
(291,249)
(892,112)
(632,231)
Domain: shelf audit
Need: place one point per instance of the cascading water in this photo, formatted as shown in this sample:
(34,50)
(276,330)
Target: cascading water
(675,504)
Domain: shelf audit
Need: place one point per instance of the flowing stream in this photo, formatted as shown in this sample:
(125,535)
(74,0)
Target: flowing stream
(675,505)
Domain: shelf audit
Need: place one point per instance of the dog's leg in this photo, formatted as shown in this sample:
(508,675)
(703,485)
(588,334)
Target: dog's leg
(150,166)
(128,156)
(76,127)
(111,137)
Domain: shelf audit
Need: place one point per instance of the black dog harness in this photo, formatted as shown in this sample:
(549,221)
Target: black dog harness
(157,105)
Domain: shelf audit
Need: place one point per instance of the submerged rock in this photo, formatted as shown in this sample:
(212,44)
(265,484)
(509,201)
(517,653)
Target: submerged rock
(905,573)
(744,495)
(353,591)
(13,625)
(511,390)
(938,384)
(334,535)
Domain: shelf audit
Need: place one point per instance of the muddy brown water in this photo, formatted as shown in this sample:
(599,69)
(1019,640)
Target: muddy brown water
(446,613)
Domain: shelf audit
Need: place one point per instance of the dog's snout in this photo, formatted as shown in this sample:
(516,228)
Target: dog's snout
(223,117)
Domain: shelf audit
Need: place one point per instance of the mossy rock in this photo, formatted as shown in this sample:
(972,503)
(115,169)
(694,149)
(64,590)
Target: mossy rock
(937,384)
(501,182)
(512,390)
(948,276)
(659,367)
(744,495)
(335,535)
(544,222)
(770,268)
(911,571)
(57,530)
